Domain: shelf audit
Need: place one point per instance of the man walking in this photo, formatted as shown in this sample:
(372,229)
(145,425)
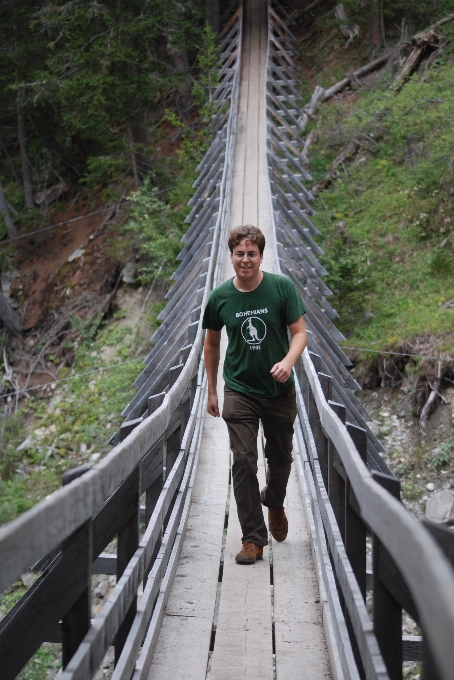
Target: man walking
(257,309)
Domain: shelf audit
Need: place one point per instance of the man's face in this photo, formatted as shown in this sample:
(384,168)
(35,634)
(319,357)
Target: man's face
(246,260)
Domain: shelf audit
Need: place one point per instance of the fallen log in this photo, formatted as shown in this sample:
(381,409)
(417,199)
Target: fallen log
(309,110)
(320,95)
(356,75)
(422,43)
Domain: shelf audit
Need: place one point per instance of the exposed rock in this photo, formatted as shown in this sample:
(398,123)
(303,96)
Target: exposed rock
(129,273)
(28,578)
(26,444)
(76,254)
(42,432)
(7,279)
(440,507)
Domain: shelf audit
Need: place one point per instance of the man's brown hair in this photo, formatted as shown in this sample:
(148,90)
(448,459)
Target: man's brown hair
(253,234)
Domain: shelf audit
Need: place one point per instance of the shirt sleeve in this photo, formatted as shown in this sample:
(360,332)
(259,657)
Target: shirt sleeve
(294,305)
(211,318)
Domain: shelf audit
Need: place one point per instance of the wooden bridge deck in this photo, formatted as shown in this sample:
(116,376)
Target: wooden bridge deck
(219,618)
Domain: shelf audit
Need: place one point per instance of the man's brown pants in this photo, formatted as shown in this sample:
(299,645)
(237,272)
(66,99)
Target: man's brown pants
(242,415)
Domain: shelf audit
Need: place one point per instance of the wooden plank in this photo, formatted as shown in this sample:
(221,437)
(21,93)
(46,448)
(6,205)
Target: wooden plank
(243,644)
(161,576)
(128,540)
(387,610)
(289,158)
(360,620)
(186,628)
(300,642)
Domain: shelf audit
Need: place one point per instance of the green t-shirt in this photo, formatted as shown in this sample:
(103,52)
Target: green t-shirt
(256,324)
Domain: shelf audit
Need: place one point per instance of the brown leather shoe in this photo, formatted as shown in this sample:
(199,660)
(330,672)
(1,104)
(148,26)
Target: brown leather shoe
(249,553)
(278,523)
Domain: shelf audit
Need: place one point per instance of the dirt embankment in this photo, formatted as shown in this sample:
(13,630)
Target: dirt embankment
(63,276)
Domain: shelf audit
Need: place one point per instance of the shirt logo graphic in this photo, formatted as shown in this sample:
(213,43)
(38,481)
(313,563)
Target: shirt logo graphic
(253,330)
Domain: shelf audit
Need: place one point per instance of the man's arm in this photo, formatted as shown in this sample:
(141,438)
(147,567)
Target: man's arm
(282,370)
(212,353)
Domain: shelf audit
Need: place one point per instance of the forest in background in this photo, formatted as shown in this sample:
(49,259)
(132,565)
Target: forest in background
(104,102)
(104,115)
(87,88)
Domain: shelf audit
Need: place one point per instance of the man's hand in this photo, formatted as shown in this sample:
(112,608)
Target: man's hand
(282,370)
(213,405)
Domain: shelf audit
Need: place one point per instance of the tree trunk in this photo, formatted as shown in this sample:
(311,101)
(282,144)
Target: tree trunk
(422,43)
(181,62)
(12,232)
(9,317)
(375,24)
(212,11)
(11,162)
(349,31)
(25,160)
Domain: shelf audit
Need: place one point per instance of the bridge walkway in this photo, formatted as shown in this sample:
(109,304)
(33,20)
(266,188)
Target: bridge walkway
(222,620)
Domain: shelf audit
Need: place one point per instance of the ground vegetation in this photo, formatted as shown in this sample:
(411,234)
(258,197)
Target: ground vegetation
(380,147)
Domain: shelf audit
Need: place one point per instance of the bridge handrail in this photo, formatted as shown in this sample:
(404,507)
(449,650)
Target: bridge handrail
(427,572)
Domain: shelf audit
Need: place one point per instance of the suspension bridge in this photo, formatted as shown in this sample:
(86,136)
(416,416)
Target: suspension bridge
(313,608)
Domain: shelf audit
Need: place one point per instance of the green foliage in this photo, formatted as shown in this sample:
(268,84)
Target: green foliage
(11,435)
(410,492)
(443,456)
(84,412)
(348,273)
(396,202)
(103,170)
(13,499)
(442,262)
(156,231)
(91,78)
(48,656)
(402,469)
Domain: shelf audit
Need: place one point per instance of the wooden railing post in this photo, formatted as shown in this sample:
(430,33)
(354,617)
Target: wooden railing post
(77,620)
(336,475)
(153,491)
(355,530)
(326,383)
(174,440)
(387,611)
(128,540)
(312,411)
